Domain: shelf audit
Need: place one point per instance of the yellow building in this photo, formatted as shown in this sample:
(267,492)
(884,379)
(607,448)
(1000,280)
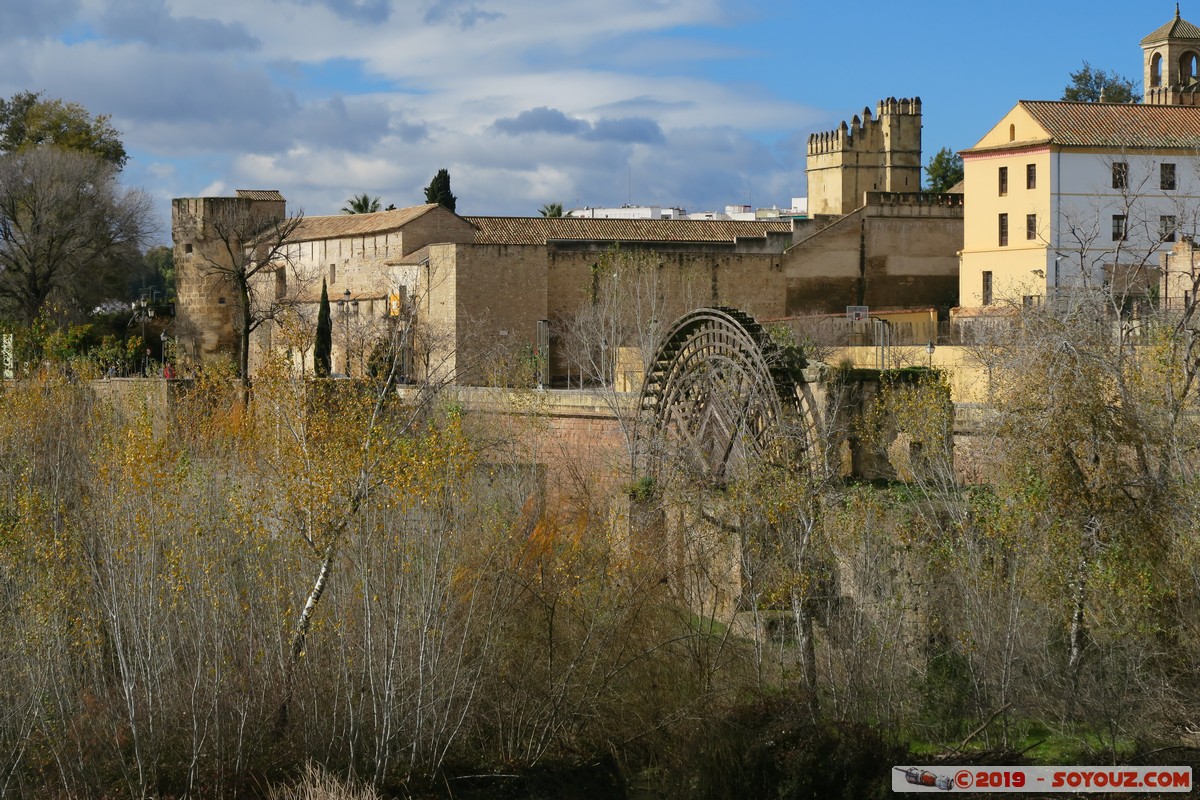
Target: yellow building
(1069,194)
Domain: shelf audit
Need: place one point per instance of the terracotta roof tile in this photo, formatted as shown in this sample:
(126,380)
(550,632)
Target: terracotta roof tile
(343,225)
(1116,124)
(1175,29)
(540,230)
(260,194)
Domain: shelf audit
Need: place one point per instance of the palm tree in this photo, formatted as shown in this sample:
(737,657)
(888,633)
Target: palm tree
(552,210)
(361,204)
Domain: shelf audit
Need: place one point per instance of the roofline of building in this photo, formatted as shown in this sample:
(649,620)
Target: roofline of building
(1014,146)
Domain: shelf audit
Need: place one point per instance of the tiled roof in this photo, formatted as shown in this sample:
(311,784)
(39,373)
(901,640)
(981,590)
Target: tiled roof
(343,225)
(260,194)
(1175,29)
(539,230)
(1116,124)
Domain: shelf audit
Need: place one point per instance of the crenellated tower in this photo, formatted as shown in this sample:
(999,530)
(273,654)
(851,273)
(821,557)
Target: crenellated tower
(877,153)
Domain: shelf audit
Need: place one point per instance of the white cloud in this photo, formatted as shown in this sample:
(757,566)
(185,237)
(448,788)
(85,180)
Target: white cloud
(160,170)
(524,102)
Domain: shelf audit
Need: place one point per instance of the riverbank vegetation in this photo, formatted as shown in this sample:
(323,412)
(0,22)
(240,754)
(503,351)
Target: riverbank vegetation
(338,587)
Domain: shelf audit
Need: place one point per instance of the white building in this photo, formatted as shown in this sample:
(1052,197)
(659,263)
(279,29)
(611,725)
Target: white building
(732,212)
(628,212)
(1060,194)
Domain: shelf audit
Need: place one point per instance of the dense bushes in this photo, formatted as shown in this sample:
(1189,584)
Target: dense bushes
(203,601)
(152,581)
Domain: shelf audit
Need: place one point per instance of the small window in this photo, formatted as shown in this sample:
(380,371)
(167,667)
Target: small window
(1156,70)
(1166,228)
(1003,181)
(187,248)
(1004,230)
(1012,132)
(1166,176)
(987,288)
(1120,227)
(280,283)
(333,273)
(1031,176)
(1120,175)
(1031,226)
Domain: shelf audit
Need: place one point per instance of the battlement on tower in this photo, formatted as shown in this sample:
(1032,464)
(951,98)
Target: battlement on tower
(878,152)
(866,132)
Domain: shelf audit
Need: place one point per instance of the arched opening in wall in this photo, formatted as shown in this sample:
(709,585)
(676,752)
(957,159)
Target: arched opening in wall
(1156,69)
(1188,69)
(1012,133)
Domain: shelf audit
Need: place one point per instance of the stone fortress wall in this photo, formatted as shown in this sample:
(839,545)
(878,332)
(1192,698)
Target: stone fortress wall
(874,240)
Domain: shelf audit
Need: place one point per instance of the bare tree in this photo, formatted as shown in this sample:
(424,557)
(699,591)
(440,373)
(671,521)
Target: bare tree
(250,252)
(631,299)
(66,228)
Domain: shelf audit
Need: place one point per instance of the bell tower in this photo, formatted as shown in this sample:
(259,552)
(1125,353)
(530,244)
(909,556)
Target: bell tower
(1171,64)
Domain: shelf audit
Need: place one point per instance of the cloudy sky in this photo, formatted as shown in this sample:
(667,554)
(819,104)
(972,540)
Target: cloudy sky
(690,103)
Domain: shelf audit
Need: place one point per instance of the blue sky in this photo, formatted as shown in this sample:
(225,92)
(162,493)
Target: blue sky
(690,103)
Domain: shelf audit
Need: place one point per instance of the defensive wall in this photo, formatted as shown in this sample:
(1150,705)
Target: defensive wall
(899,250)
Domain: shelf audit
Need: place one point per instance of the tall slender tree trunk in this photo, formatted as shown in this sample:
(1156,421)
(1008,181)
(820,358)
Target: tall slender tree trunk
(808,649)
(1078,631)
(244,346)
(1077,637)
(300,638)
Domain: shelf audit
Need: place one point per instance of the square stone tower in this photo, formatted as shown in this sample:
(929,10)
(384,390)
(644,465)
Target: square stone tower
(207,309)
(880,153)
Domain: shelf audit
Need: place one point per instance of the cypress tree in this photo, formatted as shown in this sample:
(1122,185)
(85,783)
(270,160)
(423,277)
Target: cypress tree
(438,190)
(323,348)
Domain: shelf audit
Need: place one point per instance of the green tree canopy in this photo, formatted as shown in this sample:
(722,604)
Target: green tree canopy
(945,169)
(361,204)
(552,210)
(28,121)
(156,271)
(438,190)
(1093,85)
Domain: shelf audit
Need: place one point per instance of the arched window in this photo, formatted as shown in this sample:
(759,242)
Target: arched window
(1156,69)
(1188,69)
(1012,133)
